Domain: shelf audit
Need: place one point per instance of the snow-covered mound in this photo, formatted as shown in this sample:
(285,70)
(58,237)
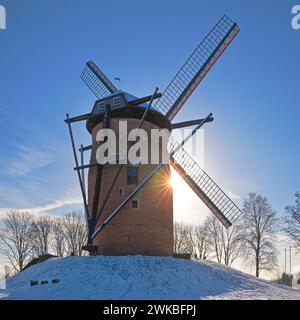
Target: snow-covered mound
(139,277)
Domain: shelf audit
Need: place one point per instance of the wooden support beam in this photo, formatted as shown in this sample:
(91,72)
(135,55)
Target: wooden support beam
(189,123)
(144,99)
(77,165)
(86,166)
(97,188)
(78,118)
(86,148)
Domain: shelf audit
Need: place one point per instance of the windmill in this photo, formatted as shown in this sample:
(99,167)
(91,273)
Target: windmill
(129,208)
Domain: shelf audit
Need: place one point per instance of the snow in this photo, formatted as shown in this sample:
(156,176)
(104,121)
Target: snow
(140,277)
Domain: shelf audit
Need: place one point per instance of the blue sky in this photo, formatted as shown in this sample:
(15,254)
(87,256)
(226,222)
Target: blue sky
(253,91)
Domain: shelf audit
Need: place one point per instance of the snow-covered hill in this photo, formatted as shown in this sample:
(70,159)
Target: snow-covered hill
(139,277)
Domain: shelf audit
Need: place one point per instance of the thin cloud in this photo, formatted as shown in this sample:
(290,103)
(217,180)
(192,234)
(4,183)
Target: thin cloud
(44,209)
(282,238)
(233,195)
(54,205)
(29,146)
(26,159)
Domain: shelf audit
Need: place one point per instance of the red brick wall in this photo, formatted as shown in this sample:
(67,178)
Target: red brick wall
(147,230)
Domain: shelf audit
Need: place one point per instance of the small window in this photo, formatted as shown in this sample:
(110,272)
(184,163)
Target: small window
(100,106)
(116,101)
(132,175)
(135,204)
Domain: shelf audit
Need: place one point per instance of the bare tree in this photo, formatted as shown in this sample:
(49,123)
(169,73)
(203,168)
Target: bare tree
(8,271)
(189,239)
(292,221)
(215,237)
(224,244)
(183,238)
(232,243)
(74,231)
(58,241)
(201,243)
(259,231)
(42,228)
(16,236)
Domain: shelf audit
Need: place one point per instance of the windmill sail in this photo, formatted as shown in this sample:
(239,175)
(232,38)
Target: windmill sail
(207,190)
(196,67)
(97,81)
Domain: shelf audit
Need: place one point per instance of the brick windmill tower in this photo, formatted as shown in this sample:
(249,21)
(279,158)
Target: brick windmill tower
(129,207)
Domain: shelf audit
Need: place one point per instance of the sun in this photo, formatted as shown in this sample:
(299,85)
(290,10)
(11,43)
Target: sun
(176,181)
(172,179)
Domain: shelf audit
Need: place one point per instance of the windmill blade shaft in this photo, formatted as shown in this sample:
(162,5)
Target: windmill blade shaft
(97,81)
(196,67)
(206,189)
(100,75)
